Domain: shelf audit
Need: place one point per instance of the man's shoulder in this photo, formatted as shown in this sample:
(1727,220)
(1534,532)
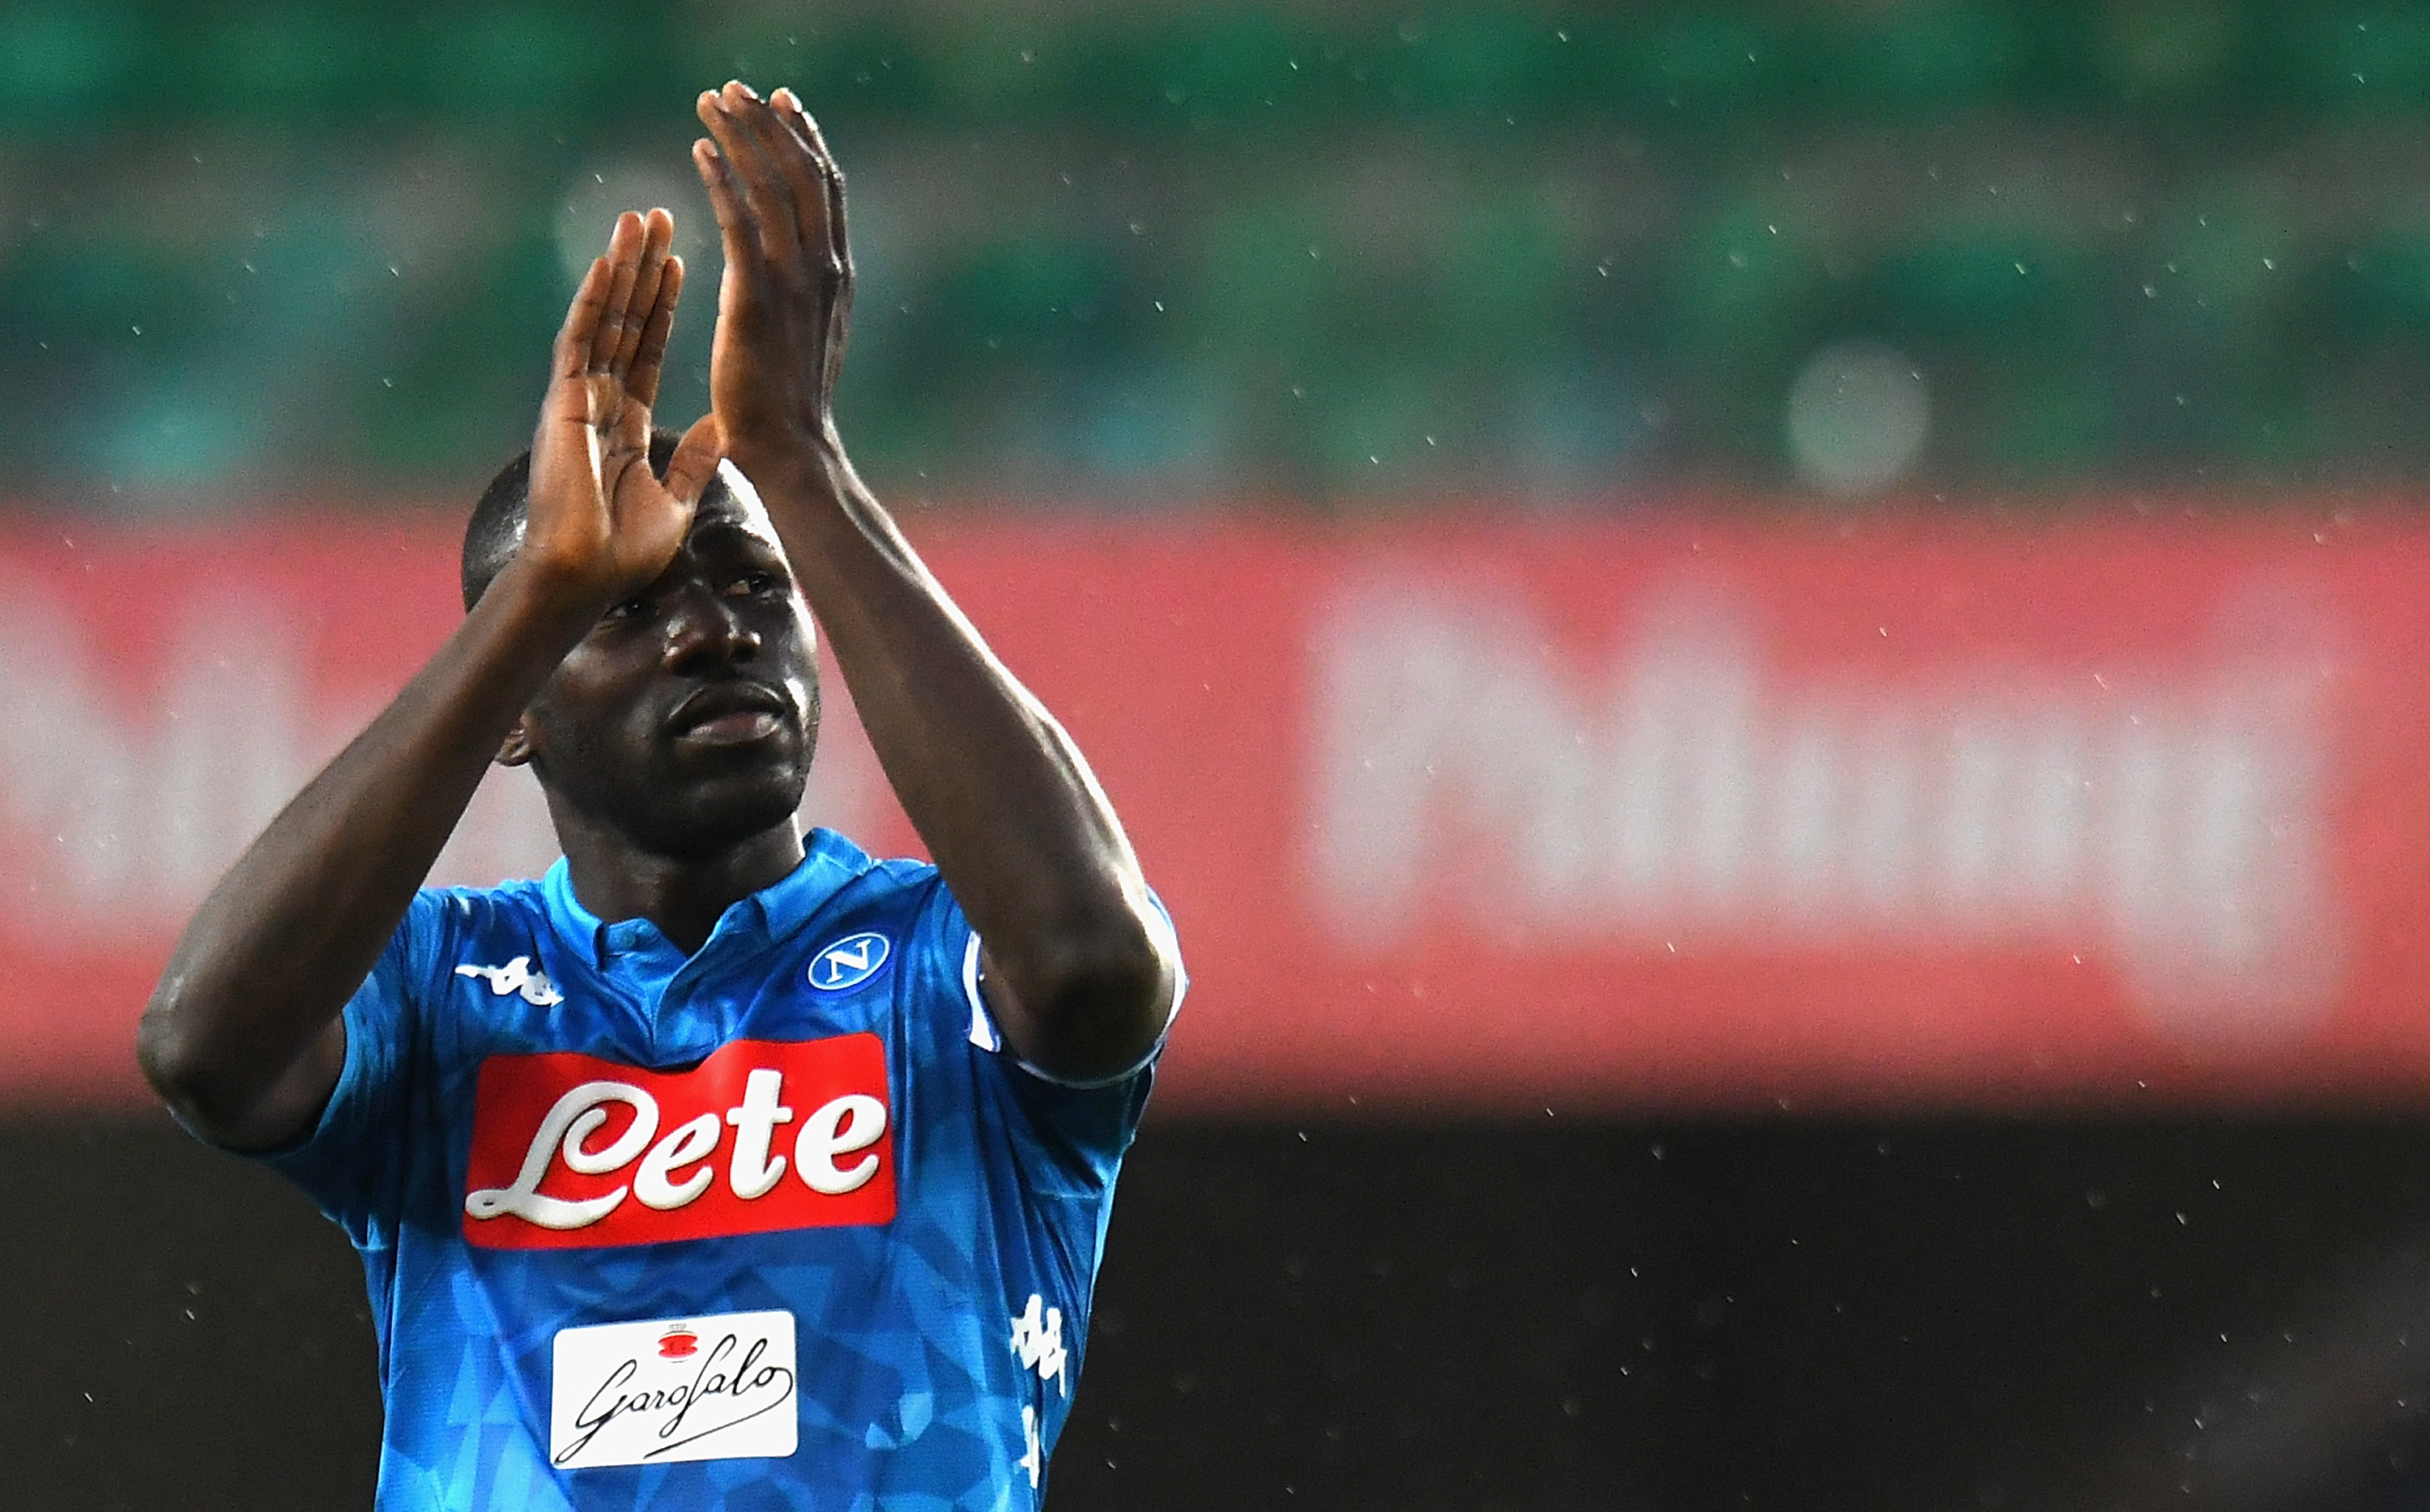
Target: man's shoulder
(443,924)
(516,898)
(839,878)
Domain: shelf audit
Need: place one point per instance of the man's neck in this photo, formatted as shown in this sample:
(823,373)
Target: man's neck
(683,898)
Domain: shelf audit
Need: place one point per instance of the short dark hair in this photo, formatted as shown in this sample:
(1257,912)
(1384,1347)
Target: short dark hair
(496,528)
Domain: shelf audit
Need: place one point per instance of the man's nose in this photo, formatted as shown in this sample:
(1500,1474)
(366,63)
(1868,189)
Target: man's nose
(704,627)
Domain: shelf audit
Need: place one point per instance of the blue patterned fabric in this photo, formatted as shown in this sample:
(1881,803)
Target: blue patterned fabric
(916,1390)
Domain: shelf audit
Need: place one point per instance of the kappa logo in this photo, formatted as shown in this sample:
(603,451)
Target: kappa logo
(849,961)
(517,977)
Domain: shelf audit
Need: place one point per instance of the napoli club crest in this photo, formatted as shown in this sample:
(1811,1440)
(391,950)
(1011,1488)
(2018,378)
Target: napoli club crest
(849,961)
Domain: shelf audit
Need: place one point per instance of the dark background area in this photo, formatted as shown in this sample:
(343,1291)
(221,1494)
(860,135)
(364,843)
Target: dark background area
(1339,257)
(1985,1314)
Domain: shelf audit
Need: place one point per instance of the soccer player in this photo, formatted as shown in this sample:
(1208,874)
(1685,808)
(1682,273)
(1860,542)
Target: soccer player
(722,1166)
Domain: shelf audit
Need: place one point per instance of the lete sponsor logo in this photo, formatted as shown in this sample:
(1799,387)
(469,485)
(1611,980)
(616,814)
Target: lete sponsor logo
(570,1150)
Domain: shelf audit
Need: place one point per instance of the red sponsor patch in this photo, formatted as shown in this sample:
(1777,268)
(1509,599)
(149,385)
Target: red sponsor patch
(572,1152)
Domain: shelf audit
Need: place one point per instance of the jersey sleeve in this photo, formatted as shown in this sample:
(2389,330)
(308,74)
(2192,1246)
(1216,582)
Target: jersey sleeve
(351,1163)
(1086,1125)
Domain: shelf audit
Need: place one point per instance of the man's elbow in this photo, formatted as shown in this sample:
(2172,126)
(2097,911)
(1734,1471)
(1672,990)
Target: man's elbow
(179,1063)
(163,1051)
(1105,1010)
(171,1060)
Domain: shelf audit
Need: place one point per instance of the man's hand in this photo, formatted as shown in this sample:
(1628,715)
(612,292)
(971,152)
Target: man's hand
(600,523)
(243,1035)
(1080,971)
(785,301)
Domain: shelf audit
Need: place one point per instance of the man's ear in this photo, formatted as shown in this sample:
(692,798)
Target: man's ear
(516,749)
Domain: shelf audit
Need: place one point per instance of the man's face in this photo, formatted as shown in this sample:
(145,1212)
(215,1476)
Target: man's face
(686,718)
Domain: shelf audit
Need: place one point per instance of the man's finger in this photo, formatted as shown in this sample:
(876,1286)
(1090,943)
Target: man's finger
(695,461)
(763,191)
(830,174)
(737,228)
(797,178)
(651,354)
(717,118)
(574,339)
(817,183)
(624,256)
(658,237)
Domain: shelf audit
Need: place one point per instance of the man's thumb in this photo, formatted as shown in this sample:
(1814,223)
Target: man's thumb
(695,461)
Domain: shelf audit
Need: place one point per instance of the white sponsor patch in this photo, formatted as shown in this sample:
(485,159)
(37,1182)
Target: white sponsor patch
(655,1392)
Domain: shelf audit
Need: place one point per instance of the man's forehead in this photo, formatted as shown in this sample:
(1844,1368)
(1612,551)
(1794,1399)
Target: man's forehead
(732,503)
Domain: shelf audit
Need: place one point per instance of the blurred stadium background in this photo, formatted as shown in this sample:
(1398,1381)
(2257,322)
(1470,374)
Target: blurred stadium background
(1770,652)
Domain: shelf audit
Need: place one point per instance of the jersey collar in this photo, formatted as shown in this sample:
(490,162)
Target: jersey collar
(828,861)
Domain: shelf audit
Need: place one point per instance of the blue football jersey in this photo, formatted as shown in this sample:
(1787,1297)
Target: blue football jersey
(781,1224)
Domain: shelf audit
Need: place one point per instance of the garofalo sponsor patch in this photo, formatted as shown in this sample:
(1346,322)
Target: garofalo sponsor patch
(655,1392)
(570,1151)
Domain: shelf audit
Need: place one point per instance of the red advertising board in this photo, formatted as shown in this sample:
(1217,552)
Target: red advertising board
(1696,809)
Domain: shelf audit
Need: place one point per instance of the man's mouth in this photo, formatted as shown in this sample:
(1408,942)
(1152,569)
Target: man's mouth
(729,714)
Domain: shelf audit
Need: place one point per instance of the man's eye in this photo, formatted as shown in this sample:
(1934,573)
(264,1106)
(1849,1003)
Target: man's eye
(753,583)
(627,609)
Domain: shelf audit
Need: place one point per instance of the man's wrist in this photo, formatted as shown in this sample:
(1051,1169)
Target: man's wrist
(545,600)
(799,465)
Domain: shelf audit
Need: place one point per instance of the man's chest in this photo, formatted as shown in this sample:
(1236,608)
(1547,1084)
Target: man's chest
(565,1150)
(583,1109)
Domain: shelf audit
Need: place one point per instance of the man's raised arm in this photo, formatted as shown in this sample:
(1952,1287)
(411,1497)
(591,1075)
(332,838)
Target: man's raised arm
(1081,970)
(243,1036)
